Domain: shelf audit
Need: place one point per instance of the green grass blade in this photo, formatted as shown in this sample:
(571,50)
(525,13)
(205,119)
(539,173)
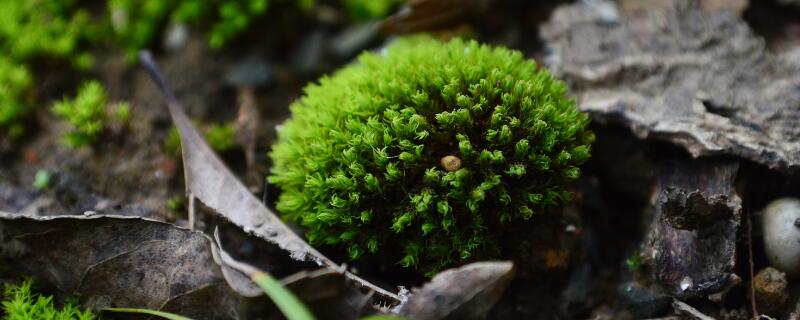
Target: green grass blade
(165,315)
(290,306)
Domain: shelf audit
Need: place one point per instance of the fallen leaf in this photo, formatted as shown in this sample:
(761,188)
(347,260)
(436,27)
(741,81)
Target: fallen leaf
(120,261)
(425,15)
(165,315)
(326,292)
(468,292)
(214,184)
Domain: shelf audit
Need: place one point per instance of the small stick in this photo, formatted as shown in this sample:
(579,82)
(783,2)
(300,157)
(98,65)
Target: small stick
(689,311)
(191,211)
(149,65)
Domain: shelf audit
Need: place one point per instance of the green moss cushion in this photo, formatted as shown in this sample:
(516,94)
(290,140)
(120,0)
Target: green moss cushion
(424,153)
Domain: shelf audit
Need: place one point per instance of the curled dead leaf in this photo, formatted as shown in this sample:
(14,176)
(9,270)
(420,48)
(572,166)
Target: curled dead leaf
(120,261)
(468,292)
(424,15)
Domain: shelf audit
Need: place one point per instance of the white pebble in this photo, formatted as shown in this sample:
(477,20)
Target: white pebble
(175,37)
(781,229)
(686,283)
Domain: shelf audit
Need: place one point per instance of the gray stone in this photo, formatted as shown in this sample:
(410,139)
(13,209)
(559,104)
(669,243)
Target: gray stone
(250,72)
(641,301)
(175,36)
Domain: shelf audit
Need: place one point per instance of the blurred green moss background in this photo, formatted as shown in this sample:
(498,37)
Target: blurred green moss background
(39,33)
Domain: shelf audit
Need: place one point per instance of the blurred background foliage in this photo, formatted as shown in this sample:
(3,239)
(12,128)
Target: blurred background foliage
(39,35)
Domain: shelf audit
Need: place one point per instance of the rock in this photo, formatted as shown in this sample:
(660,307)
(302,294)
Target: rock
(577,294)
(641,301)
(175,37)
(796,312)
(14,199)
(779,222)
(353,40)
(250,72)
(770,291)
(307,57)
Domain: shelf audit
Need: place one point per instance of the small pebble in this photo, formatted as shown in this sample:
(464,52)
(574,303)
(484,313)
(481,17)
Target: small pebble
(686,283)
(782,236)
(352,40)
(641,301)
(175,36)
(307,58)
(249,72)
(770,290)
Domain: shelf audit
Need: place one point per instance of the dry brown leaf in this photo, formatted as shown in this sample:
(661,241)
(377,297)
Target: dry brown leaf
(120,261)
(425,15)
(325,292)
(468,292)
(216,186)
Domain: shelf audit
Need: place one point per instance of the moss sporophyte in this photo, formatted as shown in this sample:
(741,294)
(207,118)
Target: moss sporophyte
(425,152)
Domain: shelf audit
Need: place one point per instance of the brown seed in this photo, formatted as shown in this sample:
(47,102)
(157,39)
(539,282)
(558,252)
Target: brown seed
(451,163)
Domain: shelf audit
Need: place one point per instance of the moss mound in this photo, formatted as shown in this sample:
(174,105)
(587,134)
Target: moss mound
(425,152)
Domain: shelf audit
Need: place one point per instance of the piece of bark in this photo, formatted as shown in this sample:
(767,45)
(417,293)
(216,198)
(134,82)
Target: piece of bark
(699,79)
(692,239)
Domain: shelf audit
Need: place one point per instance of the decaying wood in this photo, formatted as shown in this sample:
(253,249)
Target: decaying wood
(692,240)
(699,79)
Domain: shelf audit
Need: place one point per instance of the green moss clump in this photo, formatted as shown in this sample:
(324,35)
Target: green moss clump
(42,180)
(53,28)
(364,10)
(20,303)
(427,151)
(137,22)
(15,107)
(85,113)
(29,30)
(221,137)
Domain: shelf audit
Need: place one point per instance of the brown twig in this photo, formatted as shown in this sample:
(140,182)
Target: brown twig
(751,265)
